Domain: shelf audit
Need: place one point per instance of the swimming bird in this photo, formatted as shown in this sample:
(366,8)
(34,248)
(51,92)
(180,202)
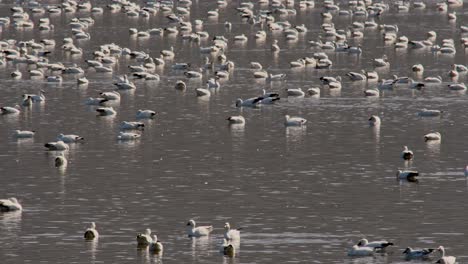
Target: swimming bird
(228,249)
(445,259)
(27,101)
(197,231)
(5,110)
(106,111)
(374,120)
(371,92)
(236,120)
(295,92)
(457,86)
(357,251)
(24,133)
(156,246)
(10,204)
(407,175)
(128,136)
(113,95)
(251,102)
(432,136)
(417,253)
(125,125)
(314,91)
(429,112)
(231,234)
(407,154)
(69,138)
(374,244)
(60,161)
(144,239)
(203,92)
(275,47)
(141,114)
(294,121)
(57,146)
(36,97)
(91,232)
(180,85)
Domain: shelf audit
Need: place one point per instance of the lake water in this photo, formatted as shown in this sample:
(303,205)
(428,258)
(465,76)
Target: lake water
(301,195)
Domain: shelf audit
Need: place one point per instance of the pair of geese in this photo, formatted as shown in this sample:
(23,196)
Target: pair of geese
(149,239)
(365,248)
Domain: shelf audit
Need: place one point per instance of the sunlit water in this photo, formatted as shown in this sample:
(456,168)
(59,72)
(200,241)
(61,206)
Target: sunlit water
(301,195)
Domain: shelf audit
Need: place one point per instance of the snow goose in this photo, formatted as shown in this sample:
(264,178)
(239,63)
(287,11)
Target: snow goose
(269,100)
(144,239)
(27,101)
(10,204)
(231,234)
(433,136)
(145,114)
(437,79)
(374,244)
(54,79)
(256,65)
(335,84)
(314,91)
(457,86)
(371,92)
(213,83)
(194,74)
(275,47)
(445,259)
(407,154)
(23,133)
(91,232)
(240,38)
(295,92)
(407,175)
(125,84)
(299,63)
(128,136)
(357,251)
(16,74)
(266,94)
(60,161)
(113,95)
(69,138)
(125,125)
(236,120)
(418,68)
(106,111)
(228,249)
(386,84)
(381,62)
(429,112)
(277,77)
(194,231)
(156,246)
(58,145)
(95,101)
(180,85)
(294,121)
(37,97)
(168,53)
(251,102)
(203,92)
(356,76)
(213,13)
(374,120)
(417,253)
(416,85)
(262,74)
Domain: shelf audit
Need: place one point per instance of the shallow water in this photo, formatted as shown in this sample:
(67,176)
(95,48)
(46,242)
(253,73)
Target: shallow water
(301,195)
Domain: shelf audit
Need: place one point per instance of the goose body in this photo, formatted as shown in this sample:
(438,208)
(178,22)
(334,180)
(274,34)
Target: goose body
(69,138)
(371,92)
(194,231)
(457,87)
(374,121)
(429,112)
(10,204)
(295,92)
(231,234)
(407,175)
(357,251)
(114,95)
(131,125)
(445,259)
(145,114)
(236,120)
(91,232)
(294,121)
(128,136)
(156,246)
(57,146)
(228,249)
(407,154)
(433,136)
(203,92)
(106,111)
(374,244)
(417,253)
(251,102)
(5,110)
(60,161)
(145,238)
(23,134)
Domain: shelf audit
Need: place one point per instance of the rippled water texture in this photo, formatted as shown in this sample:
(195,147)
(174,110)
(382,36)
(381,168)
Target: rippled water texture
(301,195)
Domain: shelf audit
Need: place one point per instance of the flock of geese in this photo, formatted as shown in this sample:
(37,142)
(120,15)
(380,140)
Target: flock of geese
(34,54)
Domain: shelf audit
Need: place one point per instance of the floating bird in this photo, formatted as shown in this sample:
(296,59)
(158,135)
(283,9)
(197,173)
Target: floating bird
(125,125)
(106,111)
(156,245)
(357,251)
(91,232)
(432,136)
(69,138)
(374,120)
(417,253)
(197,231)
(236,120)
(374,244)
(429,112)
(10,204)
(407,154)
(128,136)
(228,249)
(60,161)
(24,133)
(142,114)
(231,234)
(294,121)
(445,259)
(144,239)
(5,110)
(407,175)
(251,102)
(57,146)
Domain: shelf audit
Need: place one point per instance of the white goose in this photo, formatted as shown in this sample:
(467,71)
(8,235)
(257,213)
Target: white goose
(251,102)
(457,86)
(144,239)
(106,111)
(58,145)
(69,138)
(429,112)
(128,136)
(374,244)
(407,154)
(125,125)
(197,231)
(60,161)
(24,133)
(357,251)
(371,92)
(231,234)
(432,136)
(91,232)
(437,79)
(141,114)
(5,110)
(407,175)
(10,204)
(114,95)
(228,249)
(236,120)
(36,97)
(417,253)
(295,92)
(294,121)
(445,259)
(374,121)
(203,92)
(156,246)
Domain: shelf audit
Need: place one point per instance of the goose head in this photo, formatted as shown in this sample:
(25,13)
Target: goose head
(239,102)
(362,242)
(191,223)
(407,250)
(227,227)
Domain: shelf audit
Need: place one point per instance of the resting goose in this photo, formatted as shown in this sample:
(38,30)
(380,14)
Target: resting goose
(24,133)
(294,121)
(56,146)
(91,232)
(60,161)
(236,120)
(128,136)
(194,231)
(433,136)
(144,239)
(10,204)
(131,125)
(228,249)
(407,154)
(5,110)
(114,95)
(374,244)
(374,120)
(417,253)
(407,175)
(69,138)
(314,91)
(457,87)
(437,79)
(106,111)
(231,234)
(429,112)
(295,92)
(145,114)
(445,259)
(251,102)
(357,251)
(371,92)
(356,76)
(156,246)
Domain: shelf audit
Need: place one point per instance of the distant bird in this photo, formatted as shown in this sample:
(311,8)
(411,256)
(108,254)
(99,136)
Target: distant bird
(231,234)
(10,204)
(251,102)
(432,136)
(125,125)
(445,259)
(294,121)
(228,249)
(429,112)
(357,251)
(236,120)
(407,154)
(374,244)
(156,246)
(144,239)
(91,232)
(70,138)
(24,133)
(5,110)
(407,175)
(197,231)
(128,136)
(141,114)
(57,146)
(106,111)
(417,253)
(374,120)
(60,161)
